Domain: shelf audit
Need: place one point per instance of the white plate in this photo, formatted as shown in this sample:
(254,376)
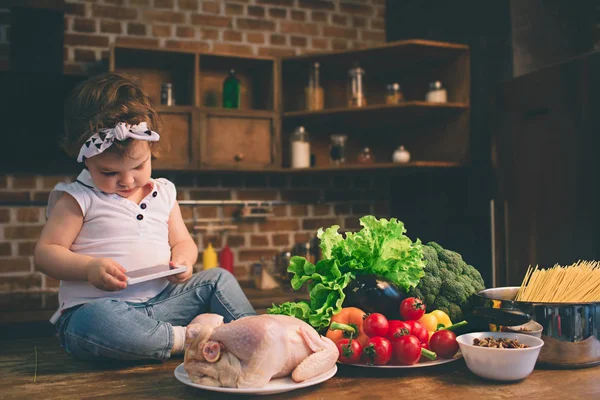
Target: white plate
(278,385)
(422,364)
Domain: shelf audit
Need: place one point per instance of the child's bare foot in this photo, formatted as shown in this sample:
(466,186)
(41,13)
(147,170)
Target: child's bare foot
(201,323)
(209,319)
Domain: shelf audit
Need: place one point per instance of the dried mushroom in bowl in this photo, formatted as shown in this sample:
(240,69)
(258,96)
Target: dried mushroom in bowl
(499,343)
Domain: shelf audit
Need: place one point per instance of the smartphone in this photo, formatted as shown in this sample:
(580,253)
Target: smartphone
(157,271)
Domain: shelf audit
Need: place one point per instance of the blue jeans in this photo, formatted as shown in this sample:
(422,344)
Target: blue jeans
(114,329)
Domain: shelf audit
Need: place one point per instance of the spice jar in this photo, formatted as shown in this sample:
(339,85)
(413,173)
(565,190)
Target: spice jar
(356,93)
(393,94)
(314,92)
(166,94)
(365,156)
(300,148)
(401,155)
(337,150)
(436,94)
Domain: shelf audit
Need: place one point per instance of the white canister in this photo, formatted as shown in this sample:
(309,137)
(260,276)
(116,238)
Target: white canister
(401,155)
(436,93)
(300,148)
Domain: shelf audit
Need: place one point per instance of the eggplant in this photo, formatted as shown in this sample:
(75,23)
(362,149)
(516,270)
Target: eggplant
(374,293)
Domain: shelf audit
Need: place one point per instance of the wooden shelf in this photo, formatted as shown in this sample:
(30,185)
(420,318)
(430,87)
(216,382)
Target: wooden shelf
(407,106)
(375,167)
(242,113)
(408,53)
(174,109)
(206,138)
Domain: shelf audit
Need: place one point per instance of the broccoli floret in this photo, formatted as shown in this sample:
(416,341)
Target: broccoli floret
(448,282)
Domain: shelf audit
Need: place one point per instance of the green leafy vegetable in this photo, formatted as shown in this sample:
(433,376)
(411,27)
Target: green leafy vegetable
(380,247)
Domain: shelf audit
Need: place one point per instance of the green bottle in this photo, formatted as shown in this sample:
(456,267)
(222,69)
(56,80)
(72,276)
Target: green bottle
(231,91)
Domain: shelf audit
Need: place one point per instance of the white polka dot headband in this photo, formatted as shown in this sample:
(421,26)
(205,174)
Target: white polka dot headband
(106,137)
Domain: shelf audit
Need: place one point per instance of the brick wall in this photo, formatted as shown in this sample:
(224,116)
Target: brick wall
(259,27)
(347,199)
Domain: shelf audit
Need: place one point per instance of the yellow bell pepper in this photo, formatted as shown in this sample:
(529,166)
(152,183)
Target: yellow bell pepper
(429,322)
(432,320)
(442,318)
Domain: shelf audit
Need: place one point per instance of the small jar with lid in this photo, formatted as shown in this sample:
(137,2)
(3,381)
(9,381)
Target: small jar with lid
(436,93)
(300,148)
(393,94)
(401,155)
(356,90)
(166,94)
(365,156)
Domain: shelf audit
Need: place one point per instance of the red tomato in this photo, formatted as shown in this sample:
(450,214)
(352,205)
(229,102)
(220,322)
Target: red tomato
(397,328)
(350,351)
(412,308)
(407,350)
(418,330)
(375,325)
(378,351)
(444,343)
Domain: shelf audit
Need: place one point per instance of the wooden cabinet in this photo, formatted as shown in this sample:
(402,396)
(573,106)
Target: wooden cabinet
(238,140)
(181,143)
(199,134)
(206,136)
(544,152)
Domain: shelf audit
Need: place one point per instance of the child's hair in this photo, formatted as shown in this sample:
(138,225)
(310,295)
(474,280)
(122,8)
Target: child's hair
(102,101)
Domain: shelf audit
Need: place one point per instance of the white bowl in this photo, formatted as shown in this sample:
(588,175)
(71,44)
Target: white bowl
(500,364)
(531,328)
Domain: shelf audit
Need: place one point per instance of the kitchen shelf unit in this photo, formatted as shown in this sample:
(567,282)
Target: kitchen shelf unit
(238,139)
(436,134)
(255,138)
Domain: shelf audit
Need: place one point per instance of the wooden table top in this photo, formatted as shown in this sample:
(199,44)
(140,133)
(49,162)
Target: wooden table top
(59,376)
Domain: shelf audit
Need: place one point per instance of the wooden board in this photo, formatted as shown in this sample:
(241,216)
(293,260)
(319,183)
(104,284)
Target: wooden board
(58,376)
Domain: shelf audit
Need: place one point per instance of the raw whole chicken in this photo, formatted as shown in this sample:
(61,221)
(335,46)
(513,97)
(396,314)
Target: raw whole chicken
(248,352)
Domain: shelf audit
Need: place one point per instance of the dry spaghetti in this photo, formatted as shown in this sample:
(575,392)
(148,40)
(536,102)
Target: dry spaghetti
(576,283)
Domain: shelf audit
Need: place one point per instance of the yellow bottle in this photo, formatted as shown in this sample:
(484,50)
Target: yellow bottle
(209,257)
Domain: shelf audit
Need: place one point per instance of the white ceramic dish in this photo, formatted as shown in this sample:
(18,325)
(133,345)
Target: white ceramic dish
(278,385)
(422,364)
(532,328)
(500,364)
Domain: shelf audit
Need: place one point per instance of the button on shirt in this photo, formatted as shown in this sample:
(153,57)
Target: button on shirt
(134,235)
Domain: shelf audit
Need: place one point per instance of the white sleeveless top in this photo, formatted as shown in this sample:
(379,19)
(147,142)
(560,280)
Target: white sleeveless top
(134,235)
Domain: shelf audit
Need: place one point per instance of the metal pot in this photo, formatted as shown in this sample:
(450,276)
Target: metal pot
(570,330)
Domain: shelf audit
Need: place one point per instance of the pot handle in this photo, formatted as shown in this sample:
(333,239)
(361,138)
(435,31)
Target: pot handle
(502,316)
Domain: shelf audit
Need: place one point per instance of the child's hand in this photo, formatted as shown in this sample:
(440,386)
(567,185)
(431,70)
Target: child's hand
(106,274)
(182,276)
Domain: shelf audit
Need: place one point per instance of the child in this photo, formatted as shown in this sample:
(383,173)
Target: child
(116,218)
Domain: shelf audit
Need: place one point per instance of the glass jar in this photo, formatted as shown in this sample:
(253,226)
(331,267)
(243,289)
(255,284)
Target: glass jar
(356,91)
(314,92)
(166,94)
(365,156)
(436,94)
(393,94)
(401,155)
(337,149)
(231,91)
(300,148)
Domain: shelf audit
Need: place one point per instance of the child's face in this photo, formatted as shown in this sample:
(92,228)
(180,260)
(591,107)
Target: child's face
(122,174)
